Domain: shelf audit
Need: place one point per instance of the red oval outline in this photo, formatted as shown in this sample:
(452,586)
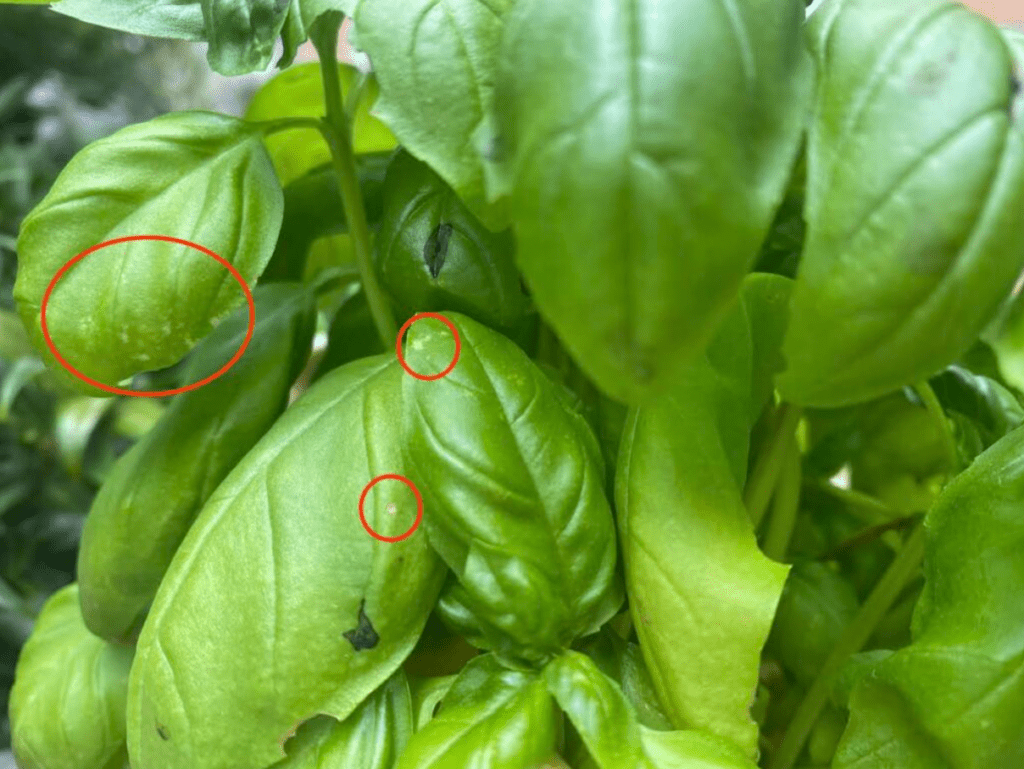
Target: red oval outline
(157,393)
(455,333)
(419,507)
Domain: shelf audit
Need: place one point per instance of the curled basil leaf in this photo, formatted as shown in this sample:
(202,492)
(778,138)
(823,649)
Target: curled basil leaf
(67,705)
(492,718)
(954,696)
(181,19)
(432,254)
(142,305)
(702,595)
(241,33)
(514,481)
(915,184)
(279,590)
(663,165)
(154,492)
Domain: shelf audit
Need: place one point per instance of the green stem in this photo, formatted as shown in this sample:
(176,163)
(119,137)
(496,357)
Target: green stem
(785,506)
(931,402)
(878,604)
(761,485)
(859,501)
(338,133)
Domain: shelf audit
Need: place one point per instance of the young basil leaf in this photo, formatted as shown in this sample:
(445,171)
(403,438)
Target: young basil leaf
(427,697)
(371,738)
(154,492)
(280,590)
(299,92)
(435,62)
(955,695)
(142,305)
(492,718)
(181,19)
(990,408)
(241,33)
(432,254)
(702,594)
(915,181)
(664,165)
(76,718)
(514,481)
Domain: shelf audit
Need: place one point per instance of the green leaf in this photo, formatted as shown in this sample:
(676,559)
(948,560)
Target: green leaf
(371,738)
(181,19)
(352,335)
(299,92)
(690,750)
(142,305)
(67,705)
(982,409)
(432,254)
(427,697)
(515,484)
(663,165)
(492,718)
(151,497)
(915,181)
(702,594)
(242,33)
(280,590)
(436,65)
(953,698)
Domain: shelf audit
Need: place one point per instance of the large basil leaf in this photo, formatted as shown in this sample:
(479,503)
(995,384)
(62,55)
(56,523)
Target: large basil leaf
(67,705)
(435,60)
(953,698)
(371,738)
(702,594)
(661,134)
(142,305)
(154,492)
(915,184)
(492,718)
(514,481)
(299,92)
(432,254)
(182,19)
(279,593)
(241,33)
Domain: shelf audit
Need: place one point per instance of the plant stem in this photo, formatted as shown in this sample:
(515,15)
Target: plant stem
(765,474)
(853,638)
(338,133)
(931,402)
(858,500)
(785,506)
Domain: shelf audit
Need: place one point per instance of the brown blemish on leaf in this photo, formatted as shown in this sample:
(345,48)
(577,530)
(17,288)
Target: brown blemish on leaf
(162,731)
(362,636)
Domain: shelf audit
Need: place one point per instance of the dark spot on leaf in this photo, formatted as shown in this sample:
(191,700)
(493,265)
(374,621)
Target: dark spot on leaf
(362,636)
(437,707)
(1015,92)
(436,249)
(162,731)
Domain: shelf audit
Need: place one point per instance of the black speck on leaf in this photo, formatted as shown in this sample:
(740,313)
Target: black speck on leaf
(162,731)
(362,636)
(436,249)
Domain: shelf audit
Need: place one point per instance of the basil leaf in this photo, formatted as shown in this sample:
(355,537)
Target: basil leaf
(435,62)
(514,481)
(989,407)
(492,718)
(702,594)
(915,181)
(371,738)
(690,750)
(954,696)
(181,19)
(300,607)
(142,305)
(154,492)
(299,92)
(427,697)
(242,33)
(432,254)
(75,718)
(666,166)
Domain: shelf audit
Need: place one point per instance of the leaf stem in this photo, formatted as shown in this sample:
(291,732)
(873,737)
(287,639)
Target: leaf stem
(785,505)
(931,402)
(858,500)
(878,604)
(338,132)
(765,475)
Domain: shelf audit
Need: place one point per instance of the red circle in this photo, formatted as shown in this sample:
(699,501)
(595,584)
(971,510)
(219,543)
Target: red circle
(419,506)
(159,393)
(455,333)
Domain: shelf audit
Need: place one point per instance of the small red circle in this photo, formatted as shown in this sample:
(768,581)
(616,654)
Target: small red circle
(159,393)
(419,506)
(455,333)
